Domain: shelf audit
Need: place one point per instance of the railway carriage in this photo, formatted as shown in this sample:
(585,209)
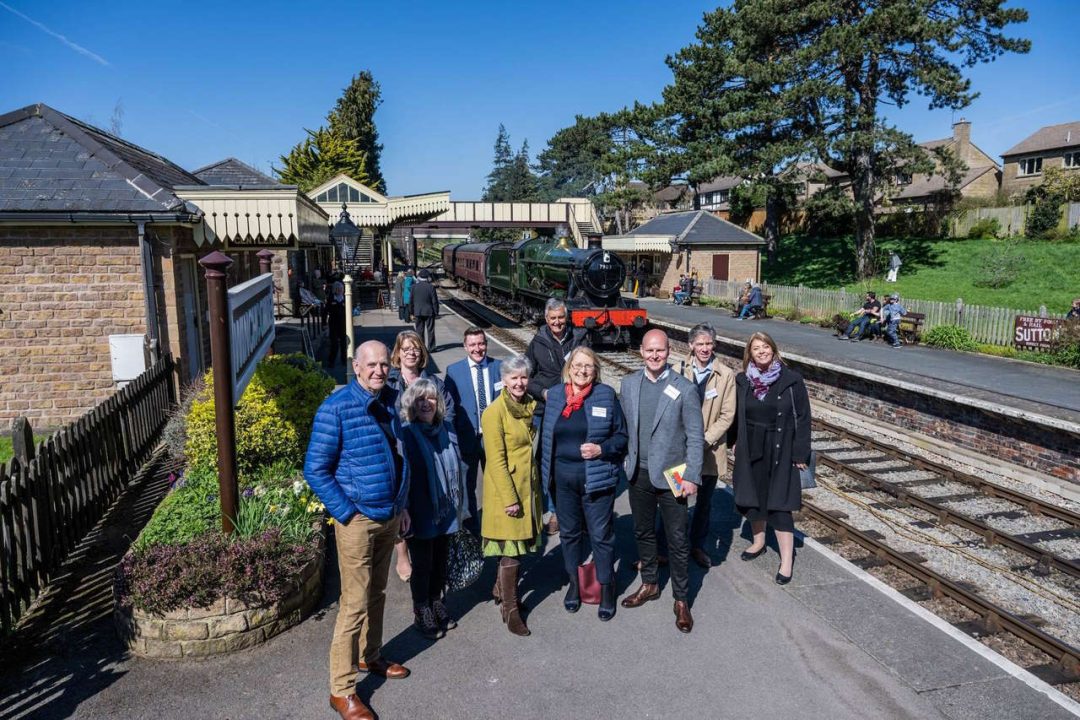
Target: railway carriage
(520,277)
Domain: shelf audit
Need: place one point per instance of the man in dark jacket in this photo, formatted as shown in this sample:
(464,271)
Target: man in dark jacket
(425,306)
(335,320)
(356,467)
(547,353)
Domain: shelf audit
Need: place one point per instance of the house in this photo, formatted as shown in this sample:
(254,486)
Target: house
(715,195)
(980,177)
(99,248)
(1047,147)
(691,241)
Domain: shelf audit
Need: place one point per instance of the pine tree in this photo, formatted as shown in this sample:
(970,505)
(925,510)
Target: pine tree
(353,117)
(496,189)
(321,156)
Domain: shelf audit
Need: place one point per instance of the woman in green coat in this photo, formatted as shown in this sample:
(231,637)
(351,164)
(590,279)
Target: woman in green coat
(511,518)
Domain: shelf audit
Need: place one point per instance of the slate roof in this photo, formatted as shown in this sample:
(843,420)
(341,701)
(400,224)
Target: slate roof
(697,227)
(925,185)
(1050,137)
(51,162)
(724,182)
(231,171)
(671,193)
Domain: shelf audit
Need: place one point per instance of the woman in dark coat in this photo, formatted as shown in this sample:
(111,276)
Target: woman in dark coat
(773,419)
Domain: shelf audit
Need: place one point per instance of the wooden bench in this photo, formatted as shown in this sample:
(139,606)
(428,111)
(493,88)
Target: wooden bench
(911,327)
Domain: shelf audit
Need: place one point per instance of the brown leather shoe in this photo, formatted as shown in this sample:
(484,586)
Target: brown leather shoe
(683,619)
(351,708)
(701,558)
(385,668)
(645,593)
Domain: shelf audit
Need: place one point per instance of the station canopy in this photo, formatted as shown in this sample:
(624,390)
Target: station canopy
(369,208)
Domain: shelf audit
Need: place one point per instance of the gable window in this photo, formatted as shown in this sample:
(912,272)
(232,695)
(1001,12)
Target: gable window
(904,179)
(1072,159)
(1031,166)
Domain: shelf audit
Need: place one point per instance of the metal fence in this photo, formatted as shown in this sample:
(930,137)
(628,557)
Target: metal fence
(991,325)
(50,503)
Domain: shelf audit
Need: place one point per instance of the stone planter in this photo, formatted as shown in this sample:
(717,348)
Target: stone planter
(225,626)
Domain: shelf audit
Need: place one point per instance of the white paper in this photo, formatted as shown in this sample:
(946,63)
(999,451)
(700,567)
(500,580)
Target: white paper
(711,393)
(599,412)
(671,392)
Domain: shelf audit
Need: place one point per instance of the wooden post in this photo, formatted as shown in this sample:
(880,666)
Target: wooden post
(348,321)
(22,440)
(217,267)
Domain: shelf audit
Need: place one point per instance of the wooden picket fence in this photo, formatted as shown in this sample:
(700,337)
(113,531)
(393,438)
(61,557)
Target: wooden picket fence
(990,325)
(50,503)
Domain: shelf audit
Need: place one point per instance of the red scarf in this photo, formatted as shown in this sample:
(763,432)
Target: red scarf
(575,402)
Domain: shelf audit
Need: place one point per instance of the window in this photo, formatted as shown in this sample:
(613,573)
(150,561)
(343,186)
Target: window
(354,195)
(903,179)
(1072,159)
(1031,166)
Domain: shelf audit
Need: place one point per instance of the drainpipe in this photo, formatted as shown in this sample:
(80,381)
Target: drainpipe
(153,340)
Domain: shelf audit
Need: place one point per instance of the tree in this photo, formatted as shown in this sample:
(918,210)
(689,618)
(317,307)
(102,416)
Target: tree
(496,180)
(321,156)
(353,117)
(854,56)
(511,178)
(574,161)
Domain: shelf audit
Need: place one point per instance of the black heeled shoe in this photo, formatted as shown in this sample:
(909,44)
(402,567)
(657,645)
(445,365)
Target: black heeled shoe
(572,601)
(747,555)
(783,579)
(606,611)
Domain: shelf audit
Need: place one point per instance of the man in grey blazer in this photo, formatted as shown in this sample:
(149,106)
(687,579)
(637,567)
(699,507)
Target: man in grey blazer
(663,417)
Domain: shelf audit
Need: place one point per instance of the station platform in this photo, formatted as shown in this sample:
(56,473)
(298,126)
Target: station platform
(830,645)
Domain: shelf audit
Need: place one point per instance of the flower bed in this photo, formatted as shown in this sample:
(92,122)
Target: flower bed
(187,590)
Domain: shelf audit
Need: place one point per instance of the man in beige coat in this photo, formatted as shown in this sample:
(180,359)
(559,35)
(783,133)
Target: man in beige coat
(715,384)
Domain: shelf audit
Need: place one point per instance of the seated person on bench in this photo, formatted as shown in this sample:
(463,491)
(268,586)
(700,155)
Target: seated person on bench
(754,302)
(869,313)
(682,293)
(891,312)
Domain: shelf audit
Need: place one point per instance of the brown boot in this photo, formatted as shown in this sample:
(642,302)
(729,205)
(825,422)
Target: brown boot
(683,619)
(645,593)
(495,593)
(351,708)
(511,610)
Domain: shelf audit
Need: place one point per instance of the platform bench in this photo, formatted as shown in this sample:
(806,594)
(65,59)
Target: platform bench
(911,326)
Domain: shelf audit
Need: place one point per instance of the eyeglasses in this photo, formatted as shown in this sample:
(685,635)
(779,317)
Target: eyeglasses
(579,366)
(410,351)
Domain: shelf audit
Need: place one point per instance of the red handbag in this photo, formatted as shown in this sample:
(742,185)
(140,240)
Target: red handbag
(588,585)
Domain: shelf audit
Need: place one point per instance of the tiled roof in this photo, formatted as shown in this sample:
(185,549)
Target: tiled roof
(724,182)
(670,193)
(697,227)
(50,162)
(1050,137)
(925,185)
(231,171)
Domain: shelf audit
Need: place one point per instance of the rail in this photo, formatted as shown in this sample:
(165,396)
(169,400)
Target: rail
(48,504)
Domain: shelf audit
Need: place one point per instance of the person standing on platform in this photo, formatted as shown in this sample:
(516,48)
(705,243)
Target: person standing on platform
(894,267)
(773,445)
(511,523)
(356,466)
(335,320)
(436,501)
(425,307)
(547,353)
(406,293)
(583,441)
(399,297)
(663,418)
(715,383)
(473,384)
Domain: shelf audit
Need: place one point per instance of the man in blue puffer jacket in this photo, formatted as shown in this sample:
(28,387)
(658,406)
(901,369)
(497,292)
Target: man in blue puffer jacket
(356,466)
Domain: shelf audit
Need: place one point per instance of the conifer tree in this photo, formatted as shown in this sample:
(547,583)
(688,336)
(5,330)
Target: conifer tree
(353,117)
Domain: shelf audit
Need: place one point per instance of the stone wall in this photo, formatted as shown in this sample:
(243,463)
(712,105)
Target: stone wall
(63,291)
(742,264)
(226,626)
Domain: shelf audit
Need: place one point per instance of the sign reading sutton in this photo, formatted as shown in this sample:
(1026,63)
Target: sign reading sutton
(1035,333)
(251,330)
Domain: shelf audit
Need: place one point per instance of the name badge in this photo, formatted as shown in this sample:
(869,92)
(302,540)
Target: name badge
(671,392)
(711,393)
(599,412)
(498,386)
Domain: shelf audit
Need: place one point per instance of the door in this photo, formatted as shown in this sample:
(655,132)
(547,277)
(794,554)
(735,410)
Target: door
(189,293)
(720,266)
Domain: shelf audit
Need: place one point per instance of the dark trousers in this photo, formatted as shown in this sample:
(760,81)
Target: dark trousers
(699,520)
(474,465)
(578,510)
(428,579)
(644,499)
(337,343)
(890,331)
(425,328)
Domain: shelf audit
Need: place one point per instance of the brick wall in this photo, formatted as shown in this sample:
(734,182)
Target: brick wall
(742,264)
(63,291)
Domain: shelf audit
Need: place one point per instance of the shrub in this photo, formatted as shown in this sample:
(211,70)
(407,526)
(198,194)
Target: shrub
(1066,346)
(259,569)
(273,418)
(950,337)
(191,509)
(1045,215)
(175,433)
(985,228)
(999,266)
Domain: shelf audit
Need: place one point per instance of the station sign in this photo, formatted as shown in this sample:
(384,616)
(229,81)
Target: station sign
(1031,332)
(251,328)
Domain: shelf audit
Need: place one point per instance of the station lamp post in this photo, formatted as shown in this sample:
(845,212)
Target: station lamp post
(343,235)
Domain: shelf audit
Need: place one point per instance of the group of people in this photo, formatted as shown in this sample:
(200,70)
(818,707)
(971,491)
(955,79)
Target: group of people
(684,291)
(874,318)
(750,302)
(415,297)
(395,456)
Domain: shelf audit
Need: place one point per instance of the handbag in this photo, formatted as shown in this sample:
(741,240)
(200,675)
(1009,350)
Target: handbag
(806,474)
(464,561)
(588,585)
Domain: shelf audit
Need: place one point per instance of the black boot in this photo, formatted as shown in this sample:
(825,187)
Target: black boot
(606,611)
(572,601)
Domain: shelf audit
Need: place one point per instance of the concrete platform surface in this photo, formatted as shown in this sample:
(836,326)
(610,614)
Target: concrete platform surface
(1039,389)
(827,646)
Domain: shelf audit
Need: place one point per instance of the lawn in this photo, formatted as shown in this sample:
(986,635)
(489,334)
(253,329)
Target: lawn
(1047,273)
(6,453)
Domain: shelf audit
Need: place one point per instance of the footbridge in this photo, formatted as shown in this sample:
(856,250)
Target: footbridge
(577,214)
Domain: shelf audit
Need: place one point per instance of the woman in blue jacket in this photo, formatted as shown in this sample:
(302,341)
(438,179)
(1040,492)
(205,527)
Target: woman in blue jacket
(583,442)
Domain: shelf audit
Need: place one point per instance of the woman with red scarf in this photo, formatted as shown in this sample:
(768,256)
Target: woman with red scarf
(583,441)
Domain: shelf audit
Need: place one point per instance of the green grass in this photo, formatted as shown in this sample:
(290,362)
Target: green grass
(934,269)
(6,451)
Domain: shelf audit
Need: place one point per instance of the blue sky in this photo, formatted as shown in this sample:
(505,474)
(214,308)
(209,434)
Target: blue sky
(200,81)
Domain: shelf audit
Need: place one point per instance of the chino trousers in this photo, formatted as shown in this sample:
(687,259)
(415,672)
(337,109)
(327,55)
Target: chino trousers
(578,510)
(644,500)
(364,547)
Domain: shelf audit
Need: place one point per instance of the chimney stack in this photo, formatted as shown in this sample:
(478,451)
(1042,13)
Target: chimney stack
(961,131)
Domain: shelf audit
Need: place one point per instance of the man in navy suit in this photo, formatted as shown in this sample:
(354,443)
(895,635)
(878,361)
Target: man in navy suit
(473,383)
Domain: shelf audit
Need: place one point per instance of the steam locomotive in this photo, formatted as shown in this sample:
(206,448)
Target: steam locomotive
(520,277)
